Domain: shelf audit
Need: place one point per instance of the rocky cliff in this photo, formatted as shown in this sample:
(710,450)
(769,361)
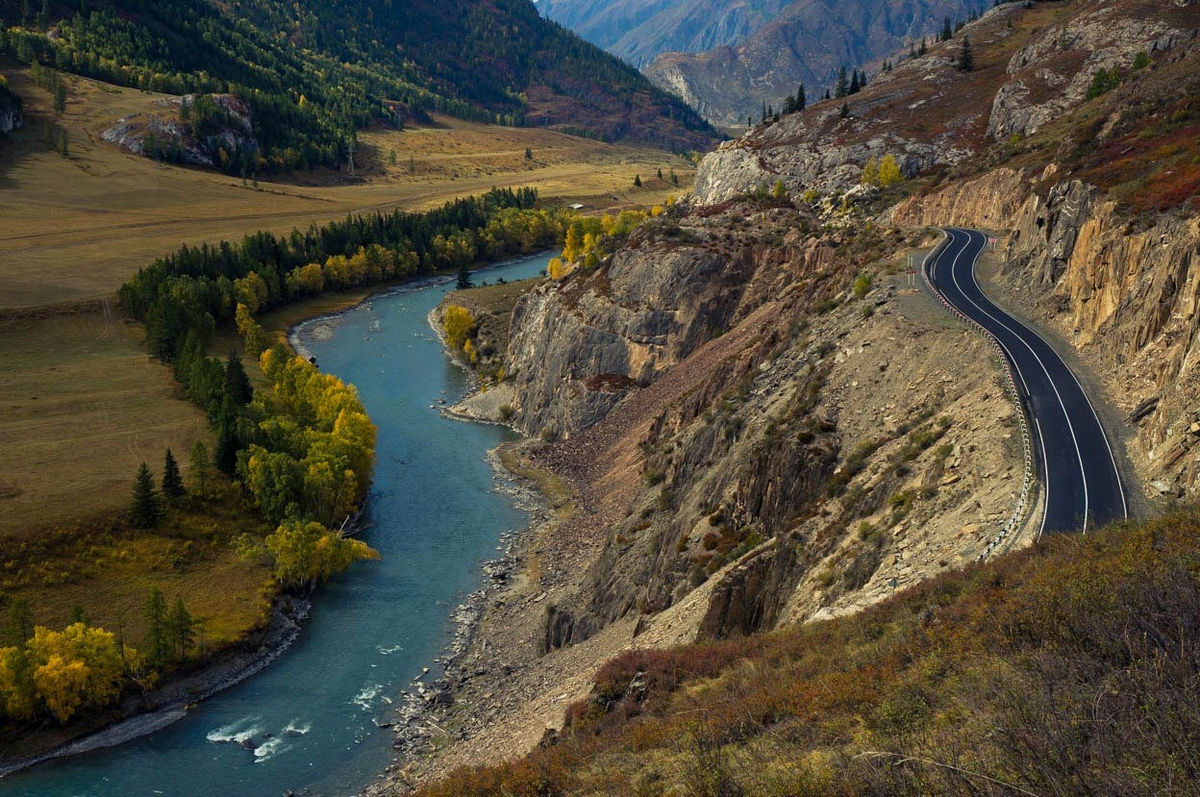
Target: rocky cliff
(730,410)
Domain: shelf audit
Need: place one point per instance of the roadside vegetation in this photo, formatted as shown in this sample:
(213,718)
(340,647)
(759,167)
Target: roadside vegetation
(1068,667)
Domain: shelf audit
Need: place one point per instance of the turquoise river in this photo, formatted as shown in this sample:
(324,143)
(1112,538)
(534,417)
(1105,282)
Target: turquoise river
(309,722)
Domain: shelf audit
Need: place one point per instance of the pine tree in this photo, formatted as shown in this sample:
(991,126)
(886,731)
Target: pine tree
(924,47)
(528,154)
(158,640)
(225,454)
(20,622)
(801,100)
(464,279)
(854,83)
(826,94)
(947,32)
(966,61)
(237,384)
(146,510)
(862,79)
(637,181)
(198,465)
(845,112)
(660,173)
(843,85)
(181,628)
(172,481)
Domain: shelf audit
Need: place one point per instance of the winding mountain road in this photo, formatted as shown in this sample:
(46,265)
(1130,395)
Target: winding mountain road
(1075,461)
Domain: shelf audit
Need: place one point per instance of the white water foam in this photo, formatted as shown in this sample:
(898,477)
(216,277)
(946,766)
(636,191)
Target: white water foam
(294,728)
(236,732)
(363,699)
(268,749)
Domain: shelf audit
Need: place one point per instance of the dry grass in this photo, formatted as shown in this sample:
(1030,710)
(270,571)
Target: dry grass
(75,228)
(81,405)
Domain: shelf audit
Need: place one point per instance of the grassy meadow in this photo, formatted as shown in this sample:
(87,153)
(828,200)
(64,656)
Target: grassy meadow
(76,227)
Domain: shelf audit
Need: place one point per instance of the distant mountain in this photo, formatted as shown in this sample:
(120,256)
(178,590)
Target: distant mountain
(313,70)
(638,30)
(728,57)
(807,43)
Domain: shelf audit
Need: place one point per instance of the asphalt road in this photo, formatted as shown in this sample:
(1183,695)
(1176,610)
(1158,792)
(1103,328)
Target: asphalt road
(1075,461)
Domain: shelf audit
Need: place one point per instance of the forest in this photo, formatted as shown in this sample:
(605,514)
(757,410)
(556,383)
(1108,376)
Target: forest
(314,73)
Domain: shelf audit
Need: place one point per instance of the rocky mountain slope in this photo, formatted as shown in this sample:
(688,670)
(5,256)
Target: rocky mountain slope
(767,423)
(806,43)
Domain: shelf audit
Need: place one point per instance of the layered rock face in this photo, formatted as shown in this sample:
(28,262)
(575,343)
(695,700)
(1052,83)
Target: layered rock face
(579,351)
(732,414)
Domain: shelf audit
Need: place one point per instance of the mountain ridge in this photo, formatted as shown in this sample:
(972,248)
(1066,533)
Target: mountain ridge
(313,72)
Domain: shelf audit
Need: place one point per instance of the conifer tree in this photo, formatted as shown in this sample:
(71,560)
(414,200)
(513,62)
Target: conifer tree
(146,510)
(464,279)
(801,100)
(947,32)
(20,622)
(182,629)
(966,61)
(843,84)
(237,384)
(924,47)
(198,465)
(637,181)
(172,481)
(854,83)
(157,644)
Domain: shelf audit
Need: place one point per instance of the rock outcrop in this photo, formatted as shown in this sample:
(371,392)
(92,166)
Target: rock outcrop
(1051,74)
(580,350)
(169,135)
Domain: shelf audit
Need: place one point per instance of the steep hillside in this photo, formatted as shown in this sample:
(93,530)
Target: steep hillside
(310,73)
(807,43)
(1068,668)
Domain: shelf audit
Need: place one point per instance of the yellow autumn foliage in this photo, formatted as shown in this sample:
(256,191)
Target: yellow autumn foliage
(306,553)
(60,672)
(458,324)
